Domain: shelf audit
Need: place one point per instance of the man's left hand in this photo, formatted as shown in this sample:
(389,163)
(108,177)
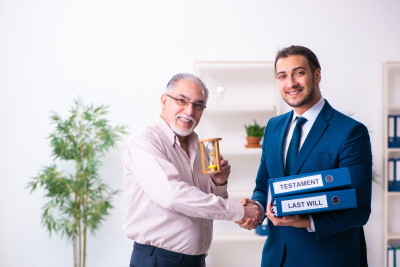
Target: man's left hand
(291,220)
(222,177)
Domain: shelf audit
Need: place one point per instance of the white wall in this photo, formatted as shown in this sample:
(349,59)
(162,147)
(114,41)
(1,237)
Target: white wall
(122,53)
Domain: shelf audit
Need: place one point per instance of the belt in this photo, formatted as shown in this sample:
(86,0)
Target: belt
(163,252)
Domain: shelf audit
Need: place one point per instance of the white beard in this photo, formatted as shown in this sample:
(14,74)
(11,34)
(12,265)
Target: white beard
(179,131)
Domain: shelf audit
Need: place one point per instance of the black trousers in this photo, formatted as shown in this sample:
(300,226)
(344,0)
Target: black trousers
(150,256)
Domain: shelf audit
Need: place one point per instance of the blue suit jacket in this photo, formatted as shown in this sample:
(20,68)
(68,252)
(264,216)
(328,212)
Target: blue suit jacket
(334,141)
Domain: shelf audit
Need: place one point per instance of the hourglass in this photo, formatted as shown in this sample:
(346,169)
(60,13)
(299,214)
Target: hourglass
(210,157)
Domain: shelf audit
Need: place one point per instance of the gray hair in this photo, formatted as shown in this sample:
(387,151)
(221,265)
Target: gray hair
(186,76)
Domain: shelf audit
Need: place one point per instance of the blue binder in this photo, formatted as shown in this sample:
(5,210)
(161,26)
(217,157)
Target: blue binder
(314,202)
(310,182)
(397,131)
(393,253)
(392,127)
(391,256)
(396,173)
(392,175)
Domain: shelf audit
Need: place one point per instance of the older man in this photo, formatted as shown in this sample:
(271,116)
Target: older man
(171,204)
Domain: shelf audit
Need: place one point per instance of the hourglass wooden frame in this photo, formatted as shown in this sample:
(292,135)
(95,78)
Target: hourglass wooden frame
(205,169)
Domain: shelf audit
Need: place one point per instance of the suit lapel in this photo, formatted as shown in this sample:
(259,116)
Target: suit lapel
(318,128)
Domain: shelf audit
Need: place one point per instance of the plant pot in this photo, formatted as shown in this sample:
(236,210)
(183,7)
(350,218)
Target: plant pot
(253,141)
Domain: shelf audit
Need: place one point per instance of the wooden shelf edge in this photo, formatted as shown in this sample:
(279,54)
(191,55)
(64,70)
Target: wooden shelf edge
(213,108)
(391,236)
(251,236)
(391,106)
(240,151)
(393,149)
(393,193)
(239,194)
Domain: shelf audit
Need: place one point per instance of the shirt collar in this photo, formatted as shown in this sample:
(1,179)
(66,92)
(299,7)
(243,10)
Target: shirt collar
(312,113)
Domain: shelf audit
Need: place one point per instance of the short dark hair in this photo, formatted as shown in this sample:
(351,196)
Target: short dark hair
(299,50)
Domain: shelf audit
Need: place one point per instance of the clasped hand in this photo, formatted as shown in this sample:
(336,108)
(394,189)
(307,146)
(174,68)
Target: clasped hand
(253,215)
(250,222)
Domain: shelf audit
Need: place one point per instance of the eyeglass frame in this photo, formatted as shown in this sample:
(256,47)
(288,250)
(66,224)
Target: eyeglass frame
(184,102)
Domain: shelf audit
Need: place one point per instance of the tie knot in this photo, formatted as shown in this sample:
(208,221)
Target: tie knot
(300,121)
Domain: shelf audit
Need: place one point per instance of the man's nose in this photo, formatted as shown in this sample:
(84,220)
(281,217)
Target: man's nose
(189,110)
(292,81)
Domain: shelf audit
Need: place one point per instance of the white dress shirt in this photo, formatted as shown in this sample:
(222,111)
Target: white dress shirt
(171,204)
(311,115)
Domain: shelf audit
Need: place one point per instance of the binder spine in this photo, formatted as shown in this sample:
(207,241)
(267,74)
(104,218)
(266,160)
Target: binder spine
(397,174)
(391,174)
(314,202)
(393,131)
(310,182)
(397,132)
(392,121)
(393,253)
(390,256)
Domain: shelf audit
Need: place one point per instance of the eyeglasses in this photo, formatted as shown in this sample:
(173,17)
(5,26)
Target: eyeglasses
(183,102)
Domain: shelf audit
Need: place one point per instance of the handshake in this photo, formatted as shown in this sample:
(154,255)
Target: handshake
(253,215)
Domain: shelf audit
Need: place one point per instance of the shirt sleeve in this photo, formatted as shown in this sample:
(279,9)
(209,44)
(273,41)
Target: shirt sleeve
(220,190)
(146,160)
(312,228)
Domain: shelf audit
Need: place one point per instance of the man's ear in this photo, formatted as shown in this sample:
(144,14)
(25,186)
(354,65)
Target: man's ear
(317,76)
(163,101)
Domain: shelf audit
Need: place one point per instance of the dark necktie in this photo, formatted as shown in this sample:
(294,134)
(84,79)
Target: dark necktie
(293,149)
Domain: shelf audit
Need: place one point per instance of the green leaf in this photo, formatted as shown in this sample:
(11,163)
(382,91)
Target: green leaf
(77,199)
(254,129)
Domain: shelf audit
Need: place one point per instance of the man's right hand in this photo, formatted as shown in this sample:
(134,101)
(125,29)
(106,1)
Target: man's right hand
(253,215)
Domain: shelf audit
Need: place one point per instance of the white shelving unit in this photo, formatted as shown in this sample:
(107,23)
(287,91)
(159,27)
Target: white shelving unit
(391,200)
(240,92)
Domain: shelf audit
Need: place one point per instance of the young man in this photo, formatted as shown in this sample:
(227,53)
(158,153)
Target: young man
(329,140)
(171,204)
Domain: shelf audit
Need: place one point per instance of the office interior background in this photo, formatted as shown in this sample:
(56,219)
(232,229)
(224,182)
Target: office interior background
(122,53)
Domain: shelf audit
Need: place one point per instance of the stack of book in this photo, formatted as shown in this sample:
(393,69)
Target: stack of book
(393,253)
(312,192)
(394,174)
(394,131)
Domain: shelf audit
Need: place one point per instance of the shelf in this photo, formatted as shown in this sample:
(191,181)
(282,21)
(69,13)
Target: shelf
(240,108)
(392,108)
(240,151)
(238,82)
(251,236)
(391,105)
(393,149)
(393,194)
(228,250)
(393,236)
(239,195)
(239,93)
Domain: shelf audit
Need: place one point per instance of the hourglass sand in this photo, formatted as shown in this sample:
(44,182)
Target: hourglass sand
(211,148)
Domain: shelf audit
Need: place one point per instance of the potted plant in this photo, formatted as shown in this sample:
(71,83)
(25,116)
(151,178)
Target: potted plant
(254,134)
(78,200)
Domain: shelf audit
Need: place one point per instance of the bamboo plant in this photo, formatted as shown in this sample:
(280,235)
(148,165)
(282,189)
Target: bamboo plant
(78,201)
